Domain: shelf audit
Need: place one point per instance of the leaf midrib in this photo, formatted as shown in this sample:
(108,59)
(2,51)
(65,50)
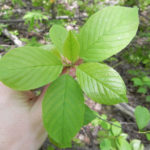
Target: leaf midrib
(64,101)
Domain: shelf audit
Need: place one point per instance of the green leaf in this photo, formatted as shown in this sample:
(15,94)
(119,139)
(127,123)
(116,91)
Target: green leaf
(142,90)
(123,144)
(115,129)
(102,134)
(124,135)
(103,122)
(54,142)
(146,80)
(148,98)
(50,148)
(28,68)
(89,115)
(58,35)
(105,144)
(52,49)
(105,125)
(71,47)
(107,32)
(148,136)
(142,116)
(63,110)
(48,47)
(101,83)
(95,122)
(137,81)
(137,145)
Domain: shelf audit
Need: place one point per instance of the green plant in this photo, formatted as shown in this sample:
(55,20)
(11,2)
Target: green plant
(18,2)
(142,4)
(14,32)
(33,18)
(88,6)
(142,116)
(7,12)
(43,3)
(143,84)
(63,108)
(31,42)
(111,136)
(139,56)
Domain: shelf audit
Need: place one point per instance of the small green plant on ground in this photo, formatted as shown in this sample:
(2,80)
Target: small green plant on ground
(31,42)
(88,6)
(139,56)
(142,4)
(142,116)
(111,136)
(18,2)
(142,81)
(33,18)
(73,65)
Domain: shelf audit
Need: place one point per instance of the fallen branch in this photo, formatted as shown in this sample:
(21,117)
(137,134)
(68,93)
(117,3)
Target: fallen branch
(12,21)
(128,110)
(125,108)
(49,18)
(12,37)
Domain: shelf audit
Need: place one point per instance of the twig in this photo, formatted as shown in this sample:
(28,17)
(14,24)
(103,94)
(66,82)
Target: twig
(108,122)
(116,65)
(147,18)
(49,18)
(12,37)
(4,45)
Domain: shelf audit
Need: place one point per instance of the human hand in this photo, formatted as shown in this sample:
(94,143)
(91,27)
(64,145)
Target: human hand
(21,126)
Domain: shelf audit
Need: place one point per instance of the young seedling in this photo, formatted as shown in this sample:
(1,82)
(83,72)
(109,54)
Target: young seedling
(73,65)
(111,136)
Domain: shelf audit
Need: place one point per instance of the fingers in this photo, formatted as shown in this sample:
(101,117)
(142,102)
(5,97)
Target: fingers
(36,110)
(36,118)
(17,97)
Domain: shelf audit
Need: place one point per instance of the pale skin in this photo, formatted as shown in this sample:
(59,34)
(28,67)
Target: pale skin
(21,126)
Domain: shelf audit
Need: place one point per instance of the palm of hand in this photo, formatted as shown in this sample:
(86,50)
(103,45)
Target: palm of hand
(20,120)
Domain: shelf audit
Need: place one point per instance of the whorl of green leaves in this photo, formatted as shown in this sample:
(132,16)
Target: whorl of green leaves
(106,33)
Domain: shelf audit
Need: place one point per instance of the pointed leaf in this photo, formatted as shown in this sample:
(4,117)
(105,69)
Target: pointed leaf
(115,129)
(71,47)
(101,83)
(105,144)
(58,35)
(63,110)
(123,144)
(107,32)
(142,116)
(89,115)
(137,145)
(27,68)
(148,136)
